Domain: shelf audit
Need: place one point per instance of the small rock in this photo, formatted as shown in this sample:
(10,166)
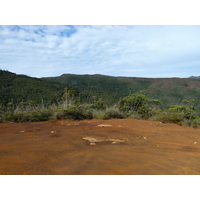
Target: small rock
(22,131)
(195,142)
(115,142)
(92,143)
(104,125)
(52,131)
(144,138)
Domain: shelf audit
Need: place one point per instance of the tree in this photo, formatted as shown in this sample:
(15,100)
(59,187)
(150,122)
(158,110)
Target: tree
(68,97)
(138,103)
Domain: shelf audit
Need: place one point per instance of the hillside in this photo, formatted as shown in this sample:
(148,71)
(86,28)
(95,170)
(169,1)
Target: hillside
(106,87)
(168,90)
(17,88)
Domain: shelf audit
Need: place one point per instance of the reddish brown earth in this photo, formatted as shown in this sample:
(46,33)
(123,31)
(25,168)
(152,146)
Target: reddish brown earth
(128,146)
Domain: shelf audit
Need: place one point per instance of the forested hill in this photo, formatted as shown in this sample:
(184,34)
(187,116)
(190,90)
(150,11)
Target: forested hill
(168,90)
(90,86)
(17,88)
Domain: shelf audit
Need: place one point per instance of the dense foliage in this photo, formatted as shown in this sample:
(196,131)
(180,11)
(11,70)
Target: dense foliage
(20,88)
(183,114)
(170,91)
(75,97)
(138,103)
(108,88)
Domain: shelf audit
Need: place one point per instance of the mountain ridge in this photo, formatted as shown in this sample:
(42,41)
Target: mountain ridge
(170,91)
(195,77)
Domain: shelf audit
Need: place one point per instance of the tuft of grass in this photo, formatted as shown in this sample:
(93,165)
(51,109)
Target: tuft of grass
(99,114)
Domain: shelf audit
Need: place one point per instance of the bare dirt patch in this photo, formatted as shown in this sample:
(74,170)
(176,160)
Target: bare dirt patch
(122,146)
(94,140)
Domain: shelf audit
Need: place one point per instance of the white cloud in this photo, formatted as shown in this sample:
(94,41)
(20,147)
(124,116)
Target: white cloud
(113,50)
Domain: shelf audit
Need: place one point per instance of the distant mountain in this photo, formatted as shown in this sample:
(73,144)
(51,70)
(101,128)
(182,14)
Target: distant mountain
(195,77)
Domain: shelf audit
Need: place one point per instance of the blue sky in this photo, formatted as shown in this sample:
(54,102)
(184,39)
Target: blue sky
(136,51)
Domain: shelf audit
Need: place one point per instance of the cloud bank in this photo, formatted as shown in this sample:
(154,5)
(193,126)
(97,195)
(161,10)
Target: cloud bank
(138,51)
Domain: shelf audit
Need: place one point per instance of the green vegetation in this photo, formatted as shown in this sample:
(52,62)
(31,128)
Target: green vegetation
(183,114)
(76,97)
(169,91)
(19,88)
(106,87)
(138,104)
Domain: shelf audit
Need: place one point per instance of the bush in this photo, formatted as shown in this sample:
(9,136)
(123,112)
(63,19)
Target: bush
(132,103)
(99,114)
(168,117)
(99,104)
(108,113)
(133,106)
(74,113)
(180,114)
(70,114)
(26,116)
(135,115)
(138,103)
(113,113)
(86,110)
(195,123)
(87,114)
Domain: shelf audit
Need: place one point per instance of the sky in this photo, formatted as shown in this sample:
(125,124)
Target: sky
(126,50)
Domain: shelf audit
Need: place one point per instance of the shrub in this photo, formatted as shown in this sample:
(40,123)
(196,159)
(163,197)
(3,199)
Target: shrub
(70,114)
(27,116)
(108,113)
(138,103)
(134,115)
(99,104)
(169,117)
(87,114)
(112,112)
(180,114)
(132,103)
(86,110)
(99,114)
(195,123)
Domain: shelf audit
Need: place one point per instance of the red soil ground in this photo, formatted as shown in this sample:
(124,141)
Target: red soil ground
(126,147)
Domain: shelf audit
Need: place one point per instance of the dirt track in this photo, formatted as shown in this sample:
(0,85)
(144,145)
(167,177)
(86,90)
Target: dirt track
(127,146)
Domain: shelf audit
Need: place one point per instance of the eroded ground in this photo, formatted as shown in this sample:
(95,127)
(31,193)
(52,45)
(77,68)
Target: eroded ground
(95,147)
